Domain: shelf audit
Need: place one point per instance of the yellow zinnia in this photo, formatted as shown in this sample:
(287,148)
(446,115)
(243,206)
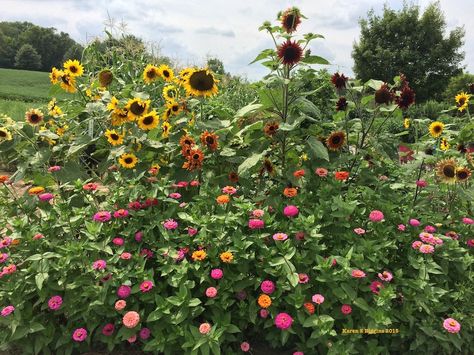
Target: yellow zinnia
(199,255)
(227,257)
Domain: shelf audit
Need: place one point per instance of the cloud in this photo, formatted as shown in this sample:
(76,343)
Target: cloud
(215,31)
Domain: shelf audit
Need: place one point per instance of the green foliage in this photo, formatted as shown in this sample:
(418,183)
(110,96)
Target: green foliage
(457,84)
(411,43)
(27,58)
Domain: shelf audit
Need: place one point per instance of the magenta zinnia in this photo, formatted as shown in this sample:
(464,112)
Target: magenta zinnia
(283,321)
(290,53)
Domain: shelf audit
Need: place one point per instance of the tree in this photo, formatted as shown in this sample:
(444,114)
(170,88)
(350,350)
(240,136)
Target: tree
(27,58)
(216,65)
(457,84)
(405,42)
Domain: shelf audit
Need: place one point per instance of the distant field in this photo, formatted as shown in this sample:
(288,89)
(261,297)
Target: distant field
(16,109)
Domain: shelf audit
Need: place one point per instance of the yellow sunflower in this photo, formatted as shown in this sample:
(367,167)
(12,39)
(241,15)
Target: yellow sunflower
(174,107)
(73,68)
(148,121)
(61,130)
(183,74)
(166,127)
(167,114)
(462,101)
(444,144)
(34,117)
(137,107)
(55,75)
(67,83)
(150,74)
(113,104)
(170,93)
(406,123)
(119,117)
(201,82)
(436,128)
(446,170)
(5,134)
(128,160)
(166,72)
(462,174)
(114,137)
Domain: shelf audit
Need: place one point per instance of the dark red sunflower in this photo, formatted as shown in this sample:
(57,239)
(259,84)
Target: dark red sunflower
(406,98)
(233,176)
(290,19)
(383,95)
(339,80)
(210,140)
(271,128)
(290,53)
(341,104)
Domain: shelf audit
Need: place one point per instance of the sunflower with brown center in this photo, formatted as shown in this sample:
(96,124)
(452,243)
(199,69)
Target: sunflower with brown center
(174,107)
(73,68)
(67,83)
(148,121)
(137,107)
(119,116)
(165,128)
(446,171)
(170,93)
(105,77)
(444,144)
(267,167)
(150,74)
(186,141)
(210,140)
(55,75)
(290,19)
(166,72)
(341,104)
(5,135)
(113,137)
(271,128)
(336,140)
(194,159)
(462,174)
(290,53)
(34,117)
(128,160)
(200,83)
(233,177)
(462,101)
(436,128)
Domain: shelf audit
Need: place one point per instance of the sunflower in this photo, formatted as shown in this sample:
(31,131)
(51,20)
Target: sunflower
(119,116)
(444,145)
(166,72)
(341,104)
(174,107)
(201,82)
(268,167)
(5,135)
(34,117)
(271,128)
(290,19)
(105,77)
(149,121)
(339,80)
(406,123)
(73,68)
(406,98)
(113,104)
(210,140)
(290,52)
(114,137)
(55,75)
(446,170)
(137,107)
(170,93)
(150,74)
(194,159)
(68,83)
(336,140)
(233,176)
(436,128)
(383,95)
(167,114)
(462,174)
(462,101)
(61,130)
(166,127)
(186,141)
(128,160)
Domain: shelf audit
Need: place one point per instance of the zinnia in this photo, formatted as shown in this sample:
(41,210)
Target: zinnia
(124,291)
(452,325)
(258,213)
(46,196)
(341,175)
(245,346)
(385,276)
(376,216)
(55,302)
(144,333)
(427,249)
(280,236)
(416,244)
(80,334)
(217,274)
(131,319)
(303,278)
(256,224)
(290,211)
(120,304)
(7,311)
(170,224)
(99,265)
(359,231)
(204,328)
(121,213)
(358,273)
(146,286)
(375,286)
(267,287)
(102,216)
(283,321)
(317,298)
(229,190)
(467,220)
(414,222)
(211,292)
(108,329)
(346,309)
(321,172)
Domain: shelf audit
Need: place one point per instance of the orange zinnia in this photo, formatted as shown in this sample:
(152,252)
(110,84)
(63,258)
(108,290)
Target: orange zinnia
(36,190)
(309,307)
(3,178)
(298,173)
(341,175)
(264,301)
(290,192)
(223,199)
(199,255)
(227,257)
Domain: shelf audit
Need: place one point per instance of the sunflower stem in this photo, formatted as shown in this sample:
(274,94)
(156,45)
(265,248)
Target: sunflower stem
(417,187)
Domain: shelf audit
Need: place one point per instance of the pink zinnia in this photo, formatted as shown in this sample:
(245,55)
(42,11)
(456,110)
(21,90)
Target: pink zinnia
(358,273)
(38,236)
(108,329)
(267,287)
(245,346)
(258,213)
(401,227)
(298,353)
(80,334)
(125,256)
(194,183)
(385,276)
(283,320)
(217,274)
(430,229)
(55,302)
(3,257)
(427,249)
(102,216)
(427,237)
(146,286)
(375,286)
(135,205)
(211,292)
(175,195)
(256,224)
(416,244)
(376,216)
(124,291)
(5,242)
(192,231)
(263,313)
(54,168)
(359,231)
(46,196)
(317,298)
(9,269)
(7,311)
(303,278)
(346,309)
(452,325)
(470,243)
(230,190)
(414,222)
(467,220)
(299,235)
(170,224)
(90,186)
(280,236)
(99,265)
(138,236)
(204,328)
(421,183)
(132,339)
(118,241)
(121,213)
(120,304)
(290,211)
(131,319)
(144,333)
(321,172)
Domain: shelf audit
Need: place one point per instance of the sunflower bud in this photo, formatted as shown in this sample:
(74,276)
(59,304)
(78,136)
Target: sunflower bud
(105,77)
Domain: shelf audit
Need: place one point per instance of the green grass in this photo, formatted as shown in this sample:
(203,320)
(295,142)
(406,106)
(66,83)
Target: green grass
(24,85)
(16,109)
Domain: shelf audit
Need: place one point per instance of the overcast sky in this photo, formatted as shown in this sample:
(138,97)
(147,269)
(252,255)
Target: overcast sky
(191,30)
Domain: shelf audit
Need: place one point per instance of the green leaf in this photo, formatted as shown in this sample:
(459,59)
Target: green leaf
(362,304)
(263,54)
(40,278)
(314,59)
(155,315)
(194,302)
(374,84)
(250,162)
(317,148)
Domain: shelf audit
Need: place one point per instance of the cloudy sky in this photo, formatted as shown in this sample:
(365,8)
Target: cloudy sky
(189,31)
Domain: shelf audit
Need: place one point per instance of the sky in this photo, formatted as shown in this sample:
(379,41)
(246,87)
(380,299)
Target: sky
(190,31)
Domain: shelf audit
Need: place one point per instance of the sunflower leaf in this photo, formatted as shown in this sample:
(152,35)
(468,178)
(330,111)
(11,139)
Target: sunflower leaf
(315,59)
(263,54)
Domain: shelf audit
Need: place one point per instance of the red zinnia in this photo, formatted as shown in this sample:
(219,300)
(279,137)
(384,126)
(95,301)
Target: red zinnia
(290,53)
